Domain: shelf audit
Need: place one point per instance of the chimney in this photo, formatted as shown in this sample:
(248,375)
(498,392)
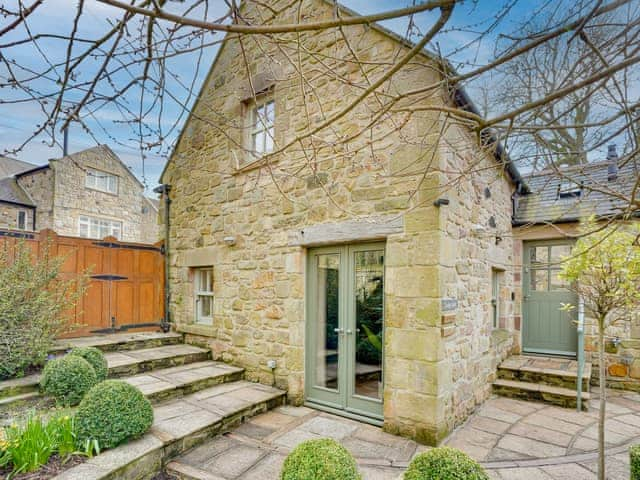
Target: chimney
(612,159)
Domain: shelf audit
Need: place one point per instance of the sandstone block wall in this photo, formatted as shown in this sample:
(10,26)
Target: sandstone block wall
(40,185)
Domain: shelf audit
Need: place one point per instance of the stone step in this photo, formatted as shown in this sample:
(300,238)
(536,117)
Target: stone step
(178,426)
(546,371)
(114,342)
(169,383)
(562,397)
(121,364)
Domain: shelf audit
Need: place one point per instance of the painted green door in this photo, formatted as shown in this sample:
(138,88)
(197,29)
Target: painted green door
(547,329)
(344,329)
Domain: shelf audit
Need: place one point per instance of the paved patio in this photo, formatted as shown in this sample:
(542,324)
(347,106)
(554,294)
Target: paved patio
(514,440)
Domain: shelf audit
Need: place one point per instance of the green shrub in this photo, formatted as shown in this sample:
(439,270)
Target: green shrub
(113,412)
(634,454)
(323,459)
(35,306)
(67,379)
(28,446)
(444,463)
(96,358)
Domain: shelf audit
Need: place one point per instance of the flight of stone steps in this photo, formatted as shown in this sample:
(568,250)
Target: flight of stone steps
(545,379)
(194,399)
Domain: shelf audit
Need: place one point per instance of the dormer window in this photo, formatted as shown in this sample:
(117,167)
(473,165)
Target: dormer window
(103,181)
(569,189)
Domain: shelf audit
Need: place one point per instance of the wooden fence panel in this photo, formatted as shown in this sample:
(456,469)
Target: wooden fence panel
(126,284)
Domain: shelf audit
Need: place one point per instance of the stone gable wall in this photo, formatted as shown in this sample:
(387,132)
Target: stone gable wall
(40,185)
(259,282)
(73,198)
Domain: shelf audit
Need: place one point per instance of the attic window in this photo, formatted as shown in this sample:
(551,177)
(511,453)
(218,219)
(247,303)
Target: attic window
(569,189)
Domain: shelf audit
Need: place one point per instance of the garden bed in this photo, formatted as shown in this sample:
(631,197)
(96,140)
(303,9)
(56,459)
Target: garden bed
(55,466)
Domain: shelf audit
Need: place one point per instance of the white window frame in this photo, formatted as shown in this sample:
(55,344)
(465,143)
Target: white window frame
(95,177)
(99,228)
(26,219)
(203,290)
(261,127)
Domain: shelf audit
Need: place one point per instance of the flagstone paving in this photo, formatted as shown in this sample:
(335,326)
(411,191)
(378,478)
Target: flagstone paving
(513,439)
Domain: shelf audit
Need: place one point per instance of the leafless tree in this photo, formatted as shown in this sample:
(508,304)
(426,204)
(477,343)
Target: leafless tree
(568,84)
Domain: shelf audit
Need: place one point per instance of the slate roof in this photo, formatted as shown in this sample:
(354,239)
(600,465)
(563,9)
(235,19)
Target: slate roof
(12,166)
(10,191)
(554,196)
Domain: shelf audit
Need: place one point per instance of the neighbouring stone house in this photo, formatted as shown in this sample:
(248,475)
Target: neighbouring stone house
(353,280)
(90,193)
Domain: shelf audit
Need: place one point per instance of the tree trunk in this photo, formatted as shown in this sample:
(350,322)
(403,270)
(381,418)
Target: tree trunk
(603,392)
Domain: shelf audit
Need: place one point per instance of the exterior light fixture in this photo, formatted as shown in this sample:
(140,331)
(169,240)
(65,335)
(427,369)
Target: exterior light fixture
(441,201)
(230,241)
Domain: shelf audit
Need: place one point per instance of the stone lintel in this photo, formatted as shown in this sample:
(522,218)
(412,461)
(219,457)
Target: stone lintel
(358,230)
(199,257)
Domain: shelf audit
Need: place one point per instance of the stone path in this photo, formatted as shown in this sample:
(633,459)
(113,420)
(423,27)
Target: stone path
(514,440)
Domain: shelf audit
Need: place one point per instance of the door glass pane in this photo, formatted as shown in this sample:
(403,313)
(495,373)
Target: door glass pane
(558,283)
(326,322)
(539,256)
(539,280)
(369,293)
(558,252)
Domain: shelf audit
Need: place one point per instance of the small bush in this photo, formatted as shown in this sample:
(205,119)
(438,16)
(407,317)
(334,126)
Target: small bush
(96,358)
(634,454)
(444,463)
(28,446)
(112,413)
(67,379)
(323,459)
(35,306)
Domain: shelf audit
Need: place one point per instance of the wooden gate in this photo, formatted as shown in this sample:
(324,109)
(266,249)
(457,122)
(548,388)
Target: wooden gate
(126,284)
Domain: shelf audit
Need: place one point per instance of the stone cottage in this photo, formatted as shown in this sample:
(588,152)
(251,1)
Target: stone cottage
(90,193)
(374,280)
(546,221)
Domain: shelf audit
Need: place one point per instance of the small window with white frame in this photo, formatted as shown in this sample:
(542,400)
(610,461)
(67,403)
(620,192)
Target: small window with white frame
(262,120)
(103,181)
(204,295)
(99,228)
(22,220)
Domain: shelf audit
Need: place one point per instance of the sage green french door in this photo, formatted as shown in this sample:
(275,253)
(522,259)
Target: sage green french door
(345,329)
(546,328)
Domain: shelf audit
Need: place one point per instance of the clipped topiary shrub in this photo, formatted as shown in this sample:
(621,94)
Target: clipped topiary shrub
(112,413)
(323,459)
(634,454)
(68,379)
(96,358)
(444,463)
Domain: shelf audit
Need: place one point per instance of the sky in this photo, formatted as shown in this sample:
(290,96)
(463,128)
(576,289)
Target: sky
(56,16)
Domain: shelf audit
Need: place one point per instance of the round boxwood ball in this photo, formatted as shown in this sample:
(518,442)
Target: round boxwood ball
(444,463)
(322,459)
(96,358)
(68,379)
(112,413)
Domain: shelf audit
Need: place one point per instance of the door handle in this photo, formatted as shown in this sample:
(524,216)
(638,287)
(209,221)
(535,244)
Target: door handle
(338,330)
(349,331)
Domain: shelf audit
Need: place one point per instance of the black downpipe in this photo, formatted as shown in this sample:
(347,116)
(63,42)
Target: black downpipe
(164,189)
